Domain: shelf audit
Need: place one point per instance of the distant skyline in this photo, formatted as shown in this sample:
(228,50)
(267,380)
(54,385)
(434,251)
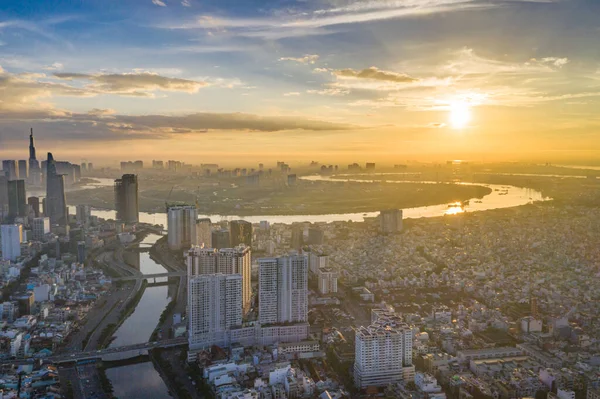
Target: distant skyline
(327,80)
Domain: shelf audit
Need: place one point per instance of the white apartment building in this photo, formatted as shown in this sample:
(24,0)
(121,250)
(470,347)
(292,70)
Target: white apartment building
(201,261)
(181,227)
(12,237)
(283,289)
(383,350)
(214,307)
(317,261)
(40,227)
(328,280)
(238,260)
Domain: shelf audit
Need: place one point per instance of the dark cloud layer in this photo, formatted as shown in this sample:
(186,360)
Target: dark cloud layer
(138,83)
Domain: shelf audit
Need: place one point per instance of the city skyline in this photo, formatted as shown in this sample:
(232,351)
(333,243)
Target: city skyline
(302,80)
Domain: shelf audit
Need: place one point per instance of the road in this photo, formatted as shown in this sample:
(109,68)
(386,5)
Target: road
(106,310)
(94,317)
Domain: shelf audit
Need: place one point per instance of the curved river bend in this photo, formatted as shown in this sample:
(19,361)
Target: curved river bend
(502,196)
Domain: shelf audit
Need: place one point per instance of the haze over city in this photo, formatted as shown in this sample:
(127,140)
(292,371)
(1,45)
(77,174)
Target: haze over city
(261,80)
(300,199)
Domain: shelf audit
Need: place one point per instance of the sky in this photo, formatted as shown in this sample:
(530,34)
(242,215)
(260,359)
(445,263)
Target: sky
(333,81)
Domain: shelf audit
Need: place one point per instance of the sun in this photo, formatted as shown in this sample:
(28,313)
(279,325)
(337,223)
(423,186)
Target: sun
(460,114)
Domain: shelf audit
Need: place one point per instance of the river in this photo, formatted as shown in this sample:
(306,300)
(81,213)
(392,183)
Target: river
(502,196)
(137,328)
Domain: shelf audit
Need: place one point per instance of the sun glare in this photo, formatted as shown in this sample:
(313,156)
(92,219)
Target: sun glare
(460,114)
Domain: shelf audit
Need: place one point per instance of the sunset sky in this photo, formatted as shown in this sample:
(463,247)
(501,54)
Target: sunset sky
(236,81)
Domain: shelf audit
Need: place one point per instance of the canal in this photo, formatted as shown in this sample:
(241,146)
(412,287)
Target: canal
(137,328)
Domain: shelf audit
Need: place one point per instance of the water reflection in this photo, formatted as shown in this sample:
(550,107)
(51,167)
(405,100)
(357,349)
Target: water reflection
(138,381)
(139,326)
(454,209)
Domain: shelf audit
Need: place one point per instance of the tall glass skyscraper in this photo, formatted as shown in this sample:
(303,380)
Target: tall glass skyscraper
(35,174)
(56,201)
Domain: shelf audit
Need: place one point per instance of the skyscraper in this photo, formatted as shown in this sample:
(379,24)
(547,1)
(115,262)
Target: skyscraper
(181,226)
(238,260)
(201,261)
(283,289)
(214,307)
(204,232)
(3,196)
(297,240)
(81,252)
(31,146)
(22,164)
(56,202)
(40,227)
(35,174)
(126,199)
(240,232)
(83,213)
(34,203)
(12,237)
(315,236)
(391,221)
(17,199)
(10,169)
(220,239)
(383,351)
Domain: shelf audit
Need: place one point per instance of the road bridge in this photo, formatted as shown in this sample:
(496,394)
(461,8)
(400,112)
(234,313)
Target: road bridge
(150,276)
(108,354)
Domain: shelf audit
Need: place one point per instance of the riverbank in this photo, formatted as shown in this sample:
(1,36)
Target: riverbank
(303,198)
(107,333)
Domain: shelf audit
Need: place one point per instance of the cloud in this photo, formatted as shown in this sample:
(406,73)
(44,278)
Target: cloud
(101,112)
(307,59)
(57,66)
(228,121)
(186,3)
(159,3)
(556,62)
(374,73)
(23,98)
(330,91)
(21,94)
(320,70)
(133,84)
(95,126)
(291,94)
(437,125)
(467,62)
(304,22)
